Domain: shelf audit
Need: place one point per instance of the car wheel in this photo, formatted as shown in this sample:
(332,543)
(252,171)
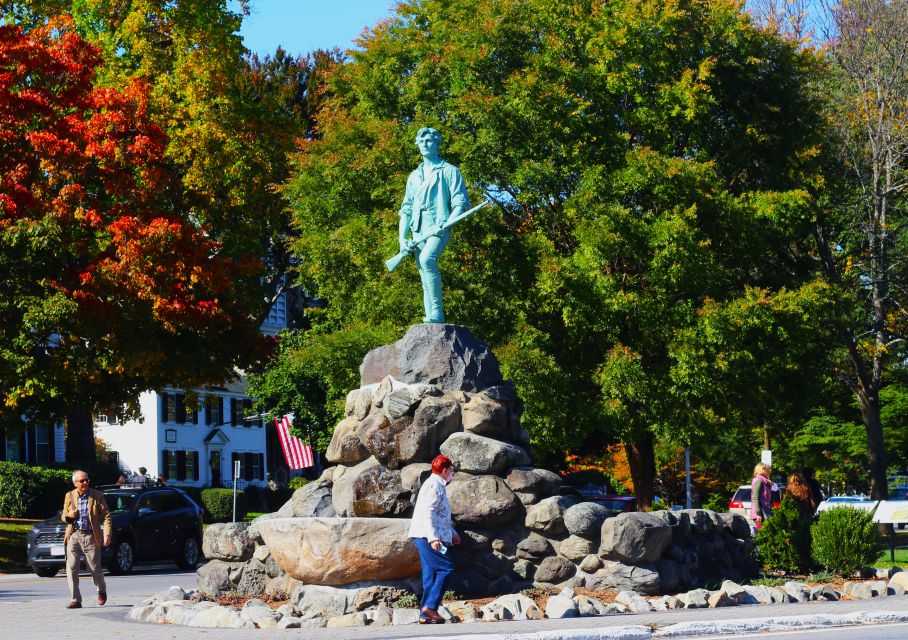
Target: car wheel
(123,557)
(189,554)
(46,572)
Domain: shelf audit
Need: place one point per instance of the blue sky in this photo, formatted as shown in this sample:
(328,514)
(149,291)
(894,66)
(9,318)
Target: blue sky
(300,26)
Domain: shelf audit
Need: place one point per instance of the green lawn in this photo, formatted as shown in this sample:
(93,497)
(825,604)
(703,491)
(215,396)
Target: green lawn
(12,544)
(885,559)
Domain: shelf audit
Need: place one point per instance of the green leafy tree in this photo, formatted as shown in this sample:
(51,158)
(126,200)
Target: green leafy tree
(862,234)
(643,192)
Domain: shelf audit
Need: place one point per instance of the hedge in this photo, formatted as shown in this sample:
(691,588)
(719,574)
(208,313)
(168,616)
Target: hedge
(218,505)
(32,492)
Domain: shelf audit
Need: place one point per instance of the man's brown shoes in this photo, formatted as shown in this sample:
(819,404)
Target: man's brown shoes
(102,598)
(74,605)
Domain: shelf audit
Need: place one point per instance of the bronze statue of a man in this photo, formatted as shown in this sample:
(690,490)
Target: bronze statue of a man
(435,194)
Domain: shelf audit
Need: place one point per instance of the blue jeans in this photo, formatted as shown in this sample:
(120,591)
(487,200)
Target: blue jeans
(436,567)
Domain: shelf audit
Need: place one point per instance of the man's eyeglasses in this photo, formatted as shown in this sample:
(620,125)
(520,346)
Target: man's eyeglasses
(82,480)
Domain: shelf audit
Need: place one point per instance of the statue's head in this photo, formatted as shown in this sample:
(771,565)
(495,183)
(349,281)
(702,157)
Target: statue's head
(428,140)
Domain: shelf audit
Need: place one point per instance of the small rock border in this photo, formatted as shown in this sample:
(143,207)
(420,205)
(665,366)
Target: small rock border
(177,606)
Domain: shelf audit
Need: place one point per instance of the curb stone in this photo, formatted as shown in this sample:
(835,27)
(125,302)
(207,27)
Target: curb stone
(630,632)
(779,623)
(691,629)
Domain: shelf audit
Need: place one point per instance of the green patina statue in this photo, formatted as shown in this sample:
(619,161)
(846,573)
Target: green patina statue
(435,199)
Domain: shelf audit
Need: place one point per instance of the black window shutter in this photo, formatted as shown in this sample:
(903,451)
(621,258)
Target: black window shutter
(247,462)
(165,461)
(181,408)
(233,411)
(221,409)
(163,407)
(195,464)
(261,466)
(195,412)
(208,404)
(181,465)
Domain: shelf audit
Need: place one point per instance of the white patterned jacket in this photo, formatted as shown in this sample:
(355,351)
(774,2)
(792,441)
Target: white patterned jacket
(432,513)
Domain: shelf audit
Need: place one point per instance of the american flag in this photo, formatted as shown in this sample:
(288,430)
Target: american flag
(297,454)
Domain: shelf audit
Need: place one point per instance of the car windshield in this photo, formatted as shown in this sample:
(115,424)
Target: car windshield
(120,501)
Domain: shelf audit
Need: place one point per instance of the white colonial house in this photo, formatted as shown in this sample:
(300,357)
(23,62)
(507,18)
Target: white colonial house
(192,447)
(198,447)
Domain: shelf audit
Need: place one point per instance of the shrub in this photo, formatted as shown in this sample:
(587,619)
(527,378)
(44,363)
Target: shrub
(34,492)
(407,601)
(662,505)
(716,502)
(783,542)
(845,539)
(218,505)
(297,483)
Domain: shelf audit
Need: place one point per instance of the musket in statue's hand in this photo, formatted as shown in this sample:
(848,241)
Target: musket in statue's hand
(410,244)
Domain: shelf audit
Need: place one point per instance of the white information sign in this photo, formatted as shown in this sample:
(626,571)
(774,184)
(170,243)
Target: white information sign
(891,512)
(766,457)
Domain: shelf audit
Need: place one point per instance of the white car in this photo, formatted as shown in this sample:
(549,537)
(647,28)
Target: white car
(858,502)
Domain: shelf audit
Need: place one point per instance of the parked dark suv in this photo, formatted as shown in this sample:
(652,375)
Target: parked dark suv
(149,523)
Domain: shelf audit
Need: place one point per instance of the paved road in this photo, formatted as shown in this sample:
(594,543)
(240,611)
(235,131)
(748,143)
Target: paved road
(34,608)
(882,632)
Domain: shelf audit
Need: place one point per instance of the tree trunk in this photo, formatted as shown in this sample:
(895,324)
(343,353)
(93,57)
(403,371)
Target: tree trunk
(870,412)
(641,458)
(80,437)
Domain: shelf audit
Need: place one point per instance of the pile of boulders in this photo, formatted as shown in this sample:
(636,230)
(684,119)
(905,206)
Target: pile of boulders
(440,390)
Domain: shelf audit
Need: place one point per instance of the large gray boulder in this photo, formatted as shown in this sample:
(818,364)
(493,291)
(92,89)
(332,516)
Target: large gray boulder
(554,570)
(338,551)
(231,541)
(478,454)
(585,519)
(534,547)
(445,355)
(617,575)
(482,501)
(547,516)
(342,489)
(485,417)
(378,492)
(313,499)
(346,447)
(378,433)
(530,484)
(634,537)
(435,419)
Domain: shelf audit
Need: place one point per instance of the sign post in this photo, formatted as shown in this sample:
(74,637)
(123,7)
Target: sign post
(236,476)
(688,500)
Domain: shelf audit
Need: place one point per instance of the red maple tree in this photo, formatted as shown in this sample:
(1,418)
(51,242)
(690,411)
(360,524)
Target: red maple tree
(108,286)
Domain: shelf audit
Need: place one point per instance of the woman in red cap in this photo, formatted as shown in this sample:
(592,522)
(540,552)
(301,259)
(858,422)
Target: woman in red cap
(432,531)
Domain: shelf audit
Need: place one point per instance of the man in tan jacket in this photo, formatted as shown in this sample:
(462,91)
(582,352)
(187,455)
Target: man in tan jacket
(84,512)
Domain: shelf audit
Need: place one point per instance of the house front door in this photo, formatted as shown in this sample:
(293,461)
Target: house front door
(215,464)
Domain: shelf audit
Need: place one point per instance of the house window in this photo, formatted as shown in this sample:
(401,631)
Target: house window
(252,465)
(170,403)
(12,447)
(180,411)
(214,410)
(182,466)
(42,444)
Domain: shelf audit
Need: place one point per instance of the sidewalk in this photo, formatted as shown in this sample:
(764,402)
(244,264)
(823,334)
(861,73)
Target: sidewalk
(39,619)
